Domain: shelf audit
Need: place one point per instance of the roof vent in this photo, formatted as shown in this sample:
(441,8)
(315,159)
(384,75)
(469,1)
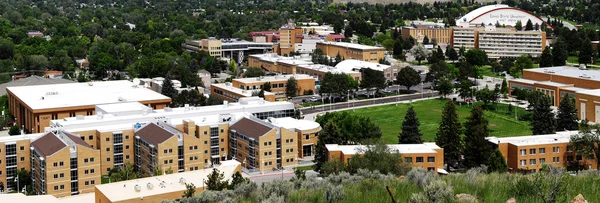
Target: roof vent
(182,180)
(150,186)
(137,188)
(90,83)
(582,67)
(121,99)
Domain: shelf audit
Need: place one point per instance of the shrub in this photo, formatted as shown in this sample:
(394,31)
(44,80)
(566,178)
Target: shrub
(418,198)
(314,183)
(246,189)
(277,187)
(334,193)
(210,196)
(274,198)
(420,177)
(439,191)
(14,130)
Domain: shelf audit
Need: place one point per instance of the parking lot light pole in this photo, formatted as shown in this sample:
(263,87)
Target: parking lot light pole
(348,99)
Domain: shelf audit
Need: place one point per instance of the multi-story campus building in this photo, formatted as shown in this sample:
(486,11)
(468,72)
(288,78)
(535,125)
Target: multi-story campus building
(150,189)
(440,34)
(232,48)
(244,87)
(581,84)
(352,51)
(34,106)
(73,153)
(499,42)
(304,65)
(427,155)
(531,152)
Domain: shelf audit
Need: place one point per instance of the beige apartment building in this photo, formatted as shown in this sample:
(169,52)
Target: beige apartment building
(441,35)
(352,51)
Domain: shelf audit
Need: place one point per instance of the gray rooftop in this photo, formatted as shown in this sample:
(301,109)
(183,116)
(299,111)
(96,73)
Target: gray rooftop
(569,72)
(31,81)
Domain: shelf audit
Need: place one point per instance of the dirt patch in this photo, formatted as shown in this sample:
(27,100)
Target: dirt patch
(493,124)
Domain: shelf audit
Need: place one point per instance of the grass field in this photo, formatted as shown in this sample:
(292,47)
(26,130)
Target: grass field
(390,117)
(487,71)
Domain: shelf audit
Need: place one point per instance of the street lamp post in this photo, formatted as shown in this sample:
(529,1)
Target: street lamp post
(422,90)
(348,98)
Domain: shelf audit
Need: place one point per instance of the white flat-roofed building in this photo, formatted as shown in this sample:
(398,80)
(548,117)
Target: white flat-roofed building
(228,92)
(34,106)
(252,105)
(389,72)
(158,188)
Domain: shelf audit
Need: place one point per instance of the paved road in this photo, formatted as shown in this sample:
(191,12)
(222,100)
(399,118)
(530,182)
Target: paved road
(357,103)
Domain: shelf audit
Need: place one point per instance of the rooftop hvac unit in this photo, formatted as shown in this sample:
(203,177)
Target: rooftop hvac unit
(137,188)
(182,180)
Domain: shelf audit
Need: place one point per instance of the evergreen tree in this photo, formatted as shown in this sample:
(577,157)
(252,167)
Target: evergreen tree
(528,25)
(425,40)
(348,31)
(496,162)
(542,121)
(477,148)
(451,54)
(216,180)
(546,58)
(559,52)
(448,134)
(504,87)
(291,89)
(461,51)
(410,129)
(169,91)
(237,179)
(190,189)
(586,52)
(567,115)
(519,26)
(398,53)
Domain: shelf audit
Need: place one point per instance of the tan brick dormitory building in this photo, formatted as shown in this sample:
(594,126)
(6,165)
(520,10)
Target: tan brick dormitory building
(34,106)
(556,82)
(73,153)
(352,51)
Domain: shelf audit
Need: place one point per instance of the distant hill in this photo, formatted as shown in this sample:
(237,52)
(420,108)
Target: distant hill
(401,1)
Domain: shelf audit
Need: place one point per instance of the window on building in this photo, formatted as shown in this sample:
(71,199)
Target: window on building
(307,136)
(55,164)
(22,148)
(419,160)
(408,159)
(56,187)
(85,160)
(165,151)
(542,160)
(86,171)
(127,157)
(108,149)
(532,161)
(555,149)
(82,137)
(87,182)
(108,139)
(542,150)
(531,151)
(431,159)
(126,146)
(196,147)
(62,175)
(107,159)
(523,152)
(127,137)
(91,137)
(55,176)
(523,162)
(92,182)
(91,159)
(22,159)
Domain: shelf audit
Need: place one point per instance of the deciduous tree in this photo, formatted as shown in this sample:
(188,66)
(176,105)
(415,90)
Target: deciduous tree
(291,88)
(408,77)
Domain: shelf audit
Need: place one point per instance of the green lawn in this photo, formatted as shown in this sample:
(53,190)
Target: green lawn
(487,71)
(305,168)
(390,117)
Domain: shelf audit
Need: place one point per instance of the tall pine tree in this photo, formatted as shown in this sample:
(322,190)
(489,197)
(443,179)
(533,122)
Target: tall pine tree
(497,163)
(410,129)
(448,134)
(586,52)
(559,52)
(477,148)
(546,58)
(542,121)
(169,91)
(567,115)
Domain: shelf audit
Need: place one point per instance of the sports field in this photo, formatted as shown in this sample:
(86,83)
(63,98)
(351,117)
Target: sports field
(389,118)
